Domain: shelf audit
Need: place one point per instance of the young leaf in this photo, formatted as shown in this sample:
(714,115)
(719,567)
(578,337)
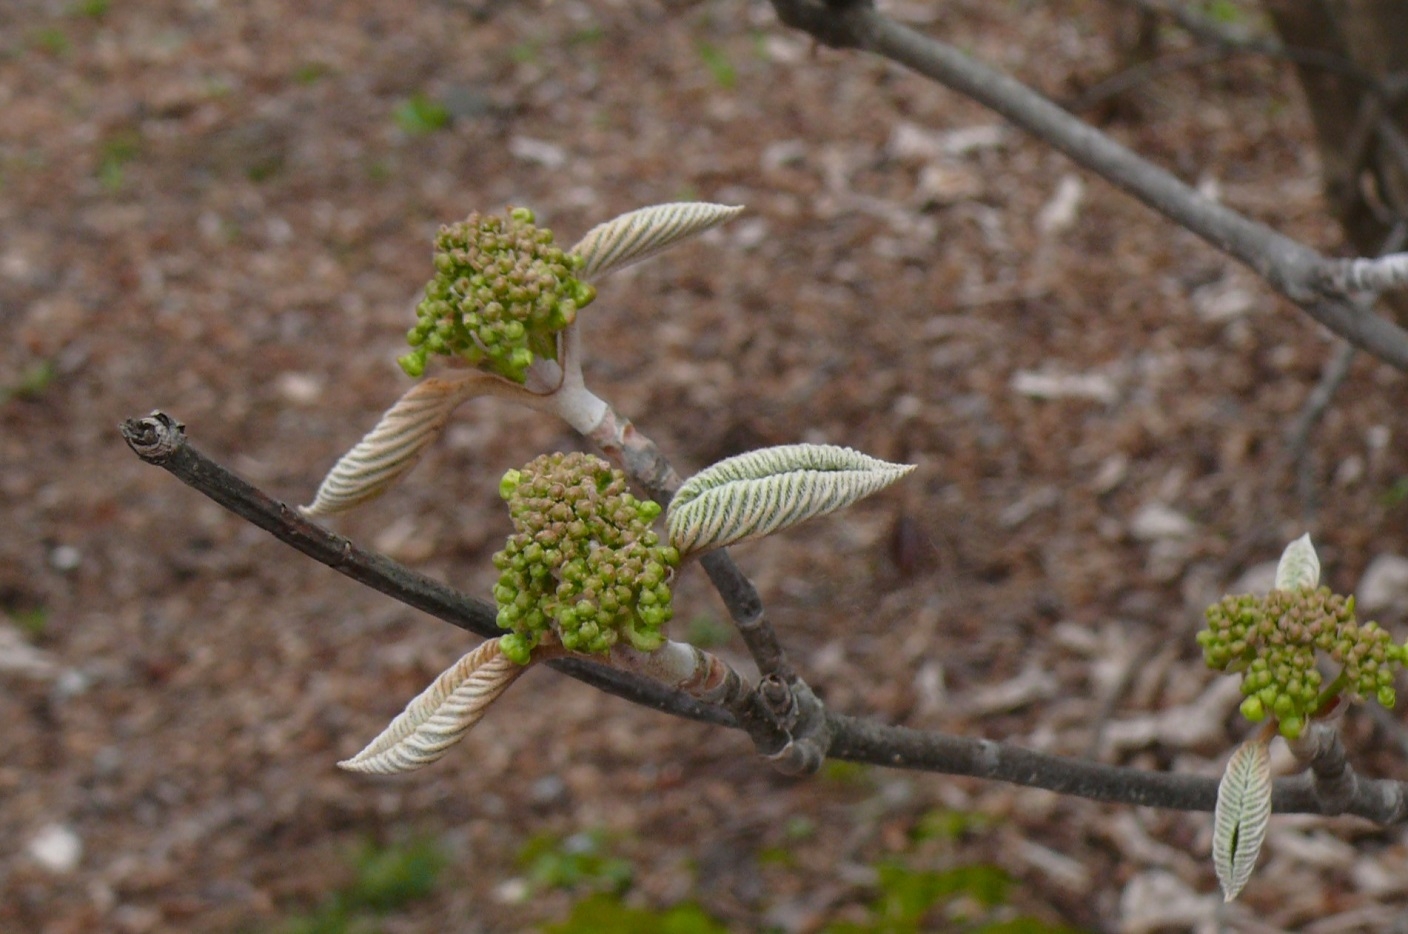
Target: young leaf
(392,448)
(441,715)
(761,492)
(1299,566)
(639,234)
(1242,814)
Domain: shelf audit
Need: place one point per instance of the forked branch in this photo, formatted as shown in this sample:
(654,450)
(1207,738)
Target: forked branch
(159,439)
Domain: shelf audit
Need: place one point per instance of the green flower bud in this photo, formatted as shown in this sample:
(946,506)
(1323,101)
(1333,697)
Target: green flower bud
(580,555)
(516,648)
(509,483)
(501,291)
(1253,709)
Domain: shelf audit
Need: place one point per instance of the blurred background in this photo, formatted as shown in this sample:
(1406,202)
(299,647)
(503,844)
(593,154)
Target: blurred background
(225,210)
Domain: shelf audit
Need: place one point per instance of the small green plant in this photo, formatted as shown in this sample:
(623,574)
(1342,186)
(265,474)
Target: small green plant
(606,912)
(581,861)
(311,72)
(1224,11)
(52,41)
(948,826)
(587,35)
(34,623)
(720,68)
(846,774)
(1397,494)
(385,879)
(421,115)
(264,167)
(92,9)
(117,151)
(524,53)
(32,381)
(963,898)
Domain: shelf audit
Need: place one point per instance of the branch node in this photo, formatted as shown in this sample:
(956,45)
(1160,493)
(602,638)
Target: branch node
(777,699)
(154,438)
(831,22)
(1332,778)
(802,717)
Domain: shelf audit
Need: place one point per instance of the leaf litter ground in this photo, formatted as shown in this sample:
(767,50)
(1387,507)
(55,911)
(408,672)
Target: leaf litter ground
(226,211)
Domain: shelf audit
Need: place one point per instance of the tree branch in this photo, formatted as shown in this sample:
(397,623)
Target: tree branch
(1318,285)
(161,440)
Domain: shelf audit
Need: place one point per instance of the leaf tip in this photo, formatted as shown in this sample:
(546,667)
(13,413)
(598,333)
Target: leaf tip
(764,491)
(1299,566)
(1242,814)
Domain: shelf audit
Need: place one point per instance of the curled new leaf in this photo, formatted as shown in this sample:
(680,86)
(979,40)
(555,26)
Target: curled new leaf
(1242,814)
(761,492)
(639,234)
(392,448)
(1299,567)
(441,715)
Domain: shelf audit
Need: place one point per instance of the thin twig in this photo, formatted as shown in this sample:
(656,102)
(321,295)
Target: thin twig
(1144,73)
(1208,30)
(1321,286)
(1298,443)
(1383,801)
(161,440)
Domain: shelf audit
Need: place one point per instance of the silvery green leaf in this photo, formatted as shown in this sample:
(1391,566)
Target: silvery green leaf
(1299,566)
(1242,814)
(761,492)
(639,234)
(441,715)
(392,448)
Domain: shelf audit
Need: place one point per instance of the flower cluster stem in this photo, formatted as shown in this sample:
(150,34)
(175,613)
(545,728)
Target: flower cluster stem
(1331,692)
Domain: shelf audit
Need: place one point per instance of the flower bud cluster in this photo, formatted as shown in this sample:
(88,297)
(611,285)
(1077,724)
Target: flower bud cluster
(501,292)
(1273,641)
(582,562)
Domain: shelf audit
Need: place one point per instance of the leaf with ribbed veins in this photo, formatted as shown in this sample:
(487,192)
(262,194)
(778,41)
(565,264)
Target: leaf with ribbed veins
(393,447)
(761,492)
(642,233)
(441,715)
(1242,814)
(1299,567)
